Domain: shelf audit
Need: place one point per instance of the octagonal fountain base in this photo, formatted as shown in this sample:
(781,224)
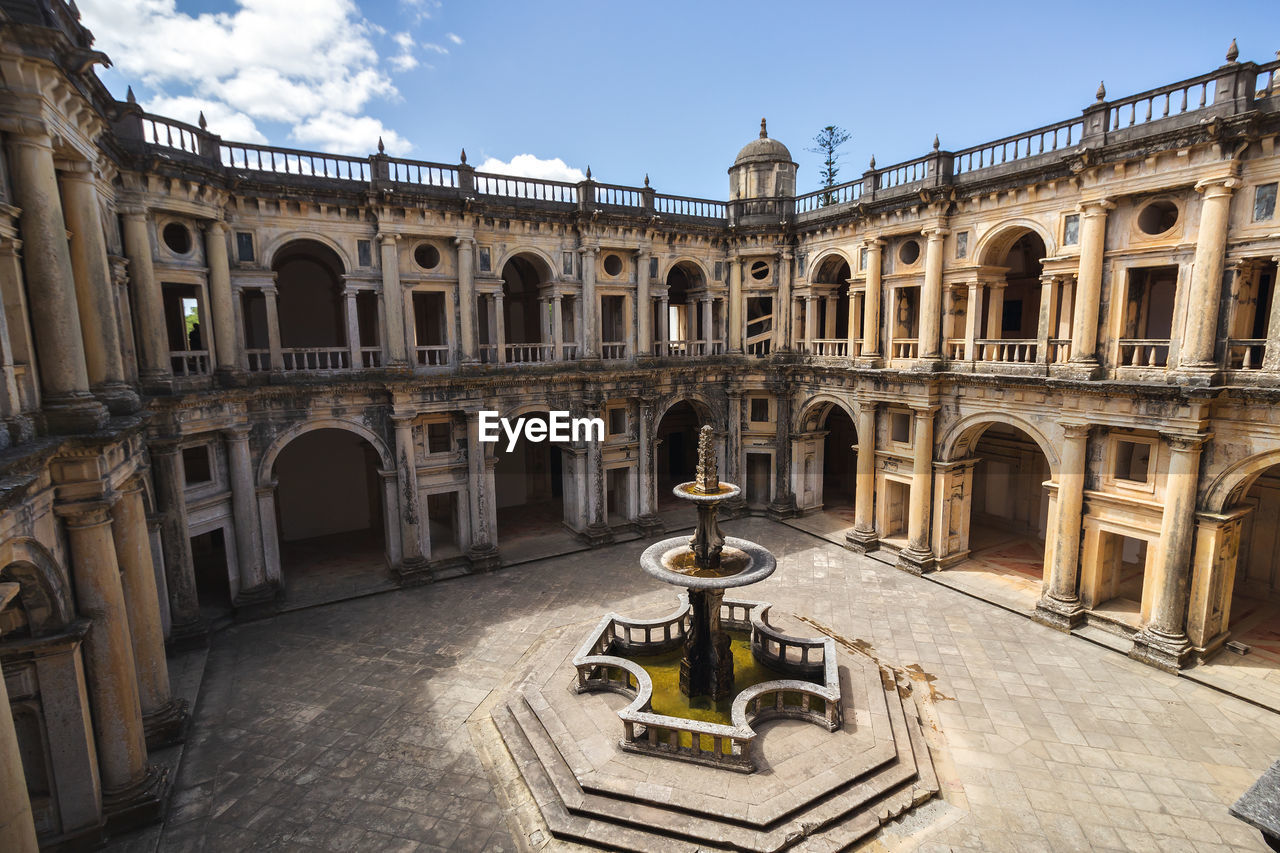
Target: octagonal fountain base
(554,755)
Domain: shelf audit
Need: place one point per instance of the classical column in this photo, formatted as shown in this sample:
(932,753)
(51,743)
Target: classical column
(557,328)
(644,306)
(917,557)
(597,531)
(95,300)
(266,498)
(128,782)
(153,342)
(1059,606)
(783,504)
(483,552)
(856,302)
(353,327)
(1044,328)
(124,317)
(17,829)
(810,323)
(736,304)
(162,715)
(664,325)
(646,463)
(1271,356)
(863,535)
(256,591)
(221,303)
(995,310)
(931,295)
(1201,335)
(186,624)
(1163,641)
(629,324)
(55,317)
(783,302)
(733,452)
(590,304)
(1084,326)
(972,320)
(467,298)
(393,301)
(871,313)
(829,318)
(500,323)
(414,562)
(271,301)
(707,335)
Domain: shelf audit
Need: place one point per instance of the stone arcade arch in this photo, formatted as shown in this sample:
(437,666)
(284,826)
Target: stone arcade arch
(330,505)
(676,445)
(525,323)
(826,459)
(827,330)
(688,328)
(538,487)
(311,310)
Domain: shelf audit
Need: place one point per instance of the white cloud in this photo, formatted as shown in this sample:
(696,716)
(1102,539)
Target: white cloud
(529,166)
(310,64)
(438,48)
(453,37)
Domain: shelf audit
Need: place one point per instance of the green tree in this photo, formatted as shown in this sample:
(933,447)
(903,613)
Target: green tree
(827,142)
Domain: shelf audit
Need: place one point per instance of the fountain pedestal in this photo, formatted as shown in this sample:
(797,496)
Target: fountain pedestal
(707,666)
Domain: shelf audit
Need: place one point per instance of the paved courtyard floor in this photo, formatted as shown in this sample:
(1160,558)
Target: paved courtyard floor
(343,727)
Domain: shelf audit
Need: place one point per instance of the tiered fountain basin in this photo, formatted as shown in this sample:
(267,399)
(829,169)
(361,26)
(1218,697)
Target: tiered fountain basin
(800,681)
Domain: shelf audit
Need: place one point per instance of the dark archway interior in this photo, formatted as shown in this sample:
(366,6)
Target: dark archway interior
(309,282)
(839,460)
(529,482)
(832,320)
(1009,509)
(213,584)
(520,280)
(677,455)
(1254,616)
(1021,316)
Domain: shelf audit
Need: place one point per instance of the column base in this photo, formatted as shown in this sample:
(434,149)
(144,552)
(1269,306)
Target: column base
(734,507)
(868,361)
(231,377)
(917,562)
(156,381)
(167,724)
(1196,375)
(484,558)
(649,524)
(74,413)
(19,428)
(1170,653)
(257,602)
(862,541)
(1062,614)
(118,397)
(928,364)
(782,508)
(414,571)
(597,533)
(1077,370)
(138,804)
(184,636)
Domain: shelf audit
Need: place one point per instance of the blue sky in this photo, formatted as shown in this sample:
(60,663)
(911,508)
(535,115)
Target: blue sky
(665,88)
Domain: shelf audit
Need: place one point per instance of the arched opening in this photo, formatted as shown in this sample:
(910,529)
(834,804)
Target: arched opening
(525,328)
(1007,523)
(310,307)
(535,494)
(330,512)
(1253,613)
(830,306)
(1008,328)
(677,451)
(839,463)
(826,469)
(684,322)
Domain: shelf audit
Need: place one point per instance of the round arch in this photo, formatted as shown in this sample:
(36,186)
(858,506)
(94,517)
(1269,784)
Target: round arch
(282,440)
(1229,487)
(686,260)
(44,591)
(994,245)
(272,249)
(701,406)
(546,268)
(818,407)
(962,436)
(826,255)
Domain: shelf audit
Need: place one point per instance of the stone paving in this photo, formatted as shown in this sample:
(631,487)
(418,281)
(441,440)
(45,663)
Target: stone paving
(344,727)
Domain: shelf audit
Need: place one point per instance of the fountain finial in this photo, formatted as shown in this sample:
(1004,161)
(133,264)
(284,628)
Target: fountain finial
(708,477)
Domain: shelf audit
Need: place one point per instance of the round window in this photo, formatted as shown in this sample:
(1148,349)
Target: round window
(612,264)
(426,256)
(177,237)
(909,253)
(760,270)
(1158,217)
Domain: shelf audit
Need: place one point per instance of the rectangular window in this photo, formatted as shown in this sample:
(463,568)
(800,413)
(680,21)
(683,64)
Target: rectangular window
(244,247)
(862,259)
(759,410)
(962,244)
(1071,229)
(1264,202)
(196,467)
(653,268)
(486,262)
(566,263)
(1133,461)
(364,253)
(719,271)
(800,260)
(617,421)
(900,427)
(439,437)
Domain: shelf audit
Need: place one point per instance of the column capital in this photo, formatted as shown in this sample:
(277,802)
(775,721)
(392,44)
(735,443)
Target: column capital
(80,515)
(465,239)
(133,484)
(1187,443)
(239,432)
(935,232)
(923,412)
(385,237)
(1096,206)
(23,130)
(1075,430)
(1212,187)
(873,243)
(133,212)
(164,446)
(402,421)
(588,250)
(214,227)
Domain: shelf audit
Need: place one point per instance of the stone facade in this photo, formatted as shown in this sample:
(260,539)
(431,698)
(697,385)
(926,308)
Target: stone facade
(1072,331)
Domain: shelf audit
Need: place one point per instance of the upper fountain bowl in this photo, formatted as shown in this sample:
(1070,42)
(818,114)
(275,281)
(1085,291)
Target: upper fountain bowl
(690,491)
(741,563)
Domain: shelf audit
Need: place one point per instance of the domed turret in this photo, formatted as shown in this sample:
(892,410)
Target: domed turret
(762,169)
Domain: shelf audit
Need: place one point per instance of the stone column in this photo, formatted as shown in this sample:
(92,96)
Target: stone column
(646,464)
(664,324)
(972,320)
(17,828)
(95,301)
(55,317)
(153,342)
(483,552)
(266,498)
(931,296)
(221,303)
(736,304)
(871,313)
(353,327)
(810,323)
(500,324)
(1084,327)
(1271,356)
(557,328)
(256,591)
(1059,606)
(1044,328)
(590,304)
(829,320)
(393,301)
(783,504)
(863,536)
(733,452)
(917,557)
(644,306)
(467,298)
(187,627)
(162,716)
(783,301)
(1201,335)
(128,782)
(413,565)
(995,311)
(597,531)
(856,302)
(1163,641)
(271,301)
(708,333)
